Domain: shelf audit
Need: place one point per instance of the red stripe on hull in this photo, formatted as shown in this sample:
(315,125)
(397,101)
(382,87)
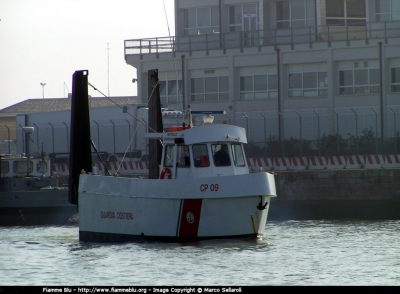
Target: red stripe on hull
(190,217)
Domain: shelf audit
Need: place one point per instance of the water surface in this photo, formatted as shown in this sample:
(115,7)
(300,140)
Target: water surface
(291,253)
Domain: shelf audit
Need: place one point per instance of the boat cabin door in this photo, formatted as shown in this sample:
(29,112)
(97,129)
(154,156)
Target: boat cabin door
(183,161)
(177,160)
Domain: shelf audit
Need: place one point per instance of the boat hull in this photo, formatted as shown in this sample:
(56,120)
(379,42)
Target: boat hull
(116,209)
(31,208)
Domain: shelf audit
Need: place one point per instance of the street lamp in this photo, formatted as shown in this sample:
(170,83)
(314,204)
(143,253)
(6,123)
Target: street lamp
(43,84)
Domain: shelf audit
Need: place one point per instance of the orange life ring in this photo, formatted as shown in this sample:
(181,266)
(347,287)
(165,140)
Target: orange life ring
(166,173)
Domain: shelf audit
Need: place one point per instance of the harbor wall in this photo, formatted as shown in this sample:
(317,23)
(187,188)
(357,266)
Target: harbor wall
(364,194)
(366,184)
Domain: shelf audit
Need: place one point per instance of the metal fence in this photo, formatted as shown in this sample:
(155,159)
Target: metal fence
(267,37)
(292,133)
(320,132)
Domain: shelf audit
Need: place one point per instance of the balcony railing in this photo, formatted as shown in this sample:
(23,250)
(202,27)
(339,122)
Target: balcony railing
(259,38)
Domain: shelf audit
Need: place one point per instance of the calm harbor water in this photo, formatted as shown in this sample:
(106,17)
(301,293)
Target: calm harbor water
(292,253)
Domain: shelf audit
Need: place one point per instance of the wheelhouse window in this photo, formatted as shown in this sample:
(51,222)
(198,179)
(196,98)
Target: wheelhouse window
(308,84)
(362,78)
(209,86)
(345,12)
(198,21)
(20,167)
(182,156)
(387,10)
(200,155)
(221,155)
(238,155)
(169,156)
(295,13)
(5,166)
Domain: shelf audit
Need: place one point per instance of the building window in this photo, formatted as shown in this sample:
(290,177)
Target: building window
(386,10)
(258,86)
(243,17)
(363,78)
(345,12)
(22,167)
(198,21)
(308,84)
(170,91)
(209,87)
(395,79)
(295,13)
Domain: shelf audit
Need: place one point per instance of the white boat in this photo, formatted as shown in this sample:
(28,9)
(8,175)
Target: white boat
(30,194)
(192,197)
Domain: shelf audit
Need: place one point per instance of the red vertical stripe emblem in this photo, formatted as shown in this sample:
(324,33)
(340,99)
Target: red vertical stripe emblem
(190,217)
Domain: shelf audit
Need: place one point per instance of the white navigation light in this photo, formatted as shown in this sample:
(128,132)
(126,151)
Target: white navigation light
(208,119)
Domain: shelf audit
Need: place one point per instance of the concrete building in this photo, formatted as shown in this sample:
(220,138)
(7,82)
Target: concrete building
(297,69)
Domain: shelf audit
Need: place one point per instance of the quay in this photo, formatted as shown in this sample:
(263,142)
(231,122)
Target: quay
(358,194)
